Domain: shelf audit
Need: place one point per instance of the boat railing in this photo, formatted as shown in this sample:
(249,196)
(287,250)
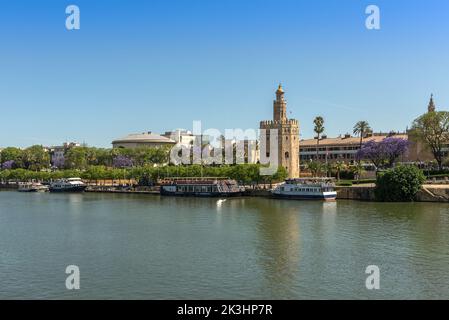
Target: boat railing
(193,180)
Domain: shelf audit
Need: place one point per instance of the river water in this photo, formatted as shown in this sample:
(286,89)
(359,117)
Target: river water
(151,247)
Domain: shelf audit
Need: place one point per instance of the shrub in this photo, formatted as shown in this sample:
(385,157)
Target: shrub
(346,175)
(399,184)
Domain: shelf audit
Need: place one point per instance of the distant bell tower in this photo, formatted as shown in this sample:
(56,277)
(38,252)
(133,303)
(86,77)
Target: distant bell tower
(279,105)
(431,106)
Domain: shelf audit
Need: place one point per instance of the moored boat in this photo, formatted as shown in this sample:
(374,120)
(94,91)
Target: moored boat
(306,189)
(68,185)
(32,187)
(200,187)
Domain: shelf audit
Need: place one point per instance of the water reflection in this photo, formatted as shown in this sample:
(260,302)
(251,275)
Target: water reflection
(278,245)
(141,246)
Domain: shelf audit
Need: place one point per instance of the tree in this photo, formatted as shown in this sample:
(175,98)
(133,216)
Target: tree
(399,184)
(12,153)
(319,129)
(393,148)
(280,175)
(7,165)
(76,158)
(383,153)
(357,170)
(361,128)
(314,167)
(35,158)
(327,168)
(339,166)
(371,150)
(122,162)
(432,128)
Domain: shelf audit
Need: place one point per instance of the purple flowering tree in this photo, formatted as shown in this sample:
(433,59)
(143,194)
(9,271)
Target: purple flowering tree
(122,162)
(383,153)
(8,165)
(393,148)
(371,150)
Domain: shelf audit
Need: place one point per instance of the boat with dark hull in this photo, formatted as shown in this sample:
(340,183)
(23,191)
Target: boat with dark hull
(200,187)
(306,189)
(68,185)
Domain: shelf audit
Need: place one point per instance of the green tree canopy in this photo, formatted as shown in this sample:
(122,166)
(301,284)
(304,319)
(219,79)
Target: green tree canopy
(432,128)
(35,158)
(399,184)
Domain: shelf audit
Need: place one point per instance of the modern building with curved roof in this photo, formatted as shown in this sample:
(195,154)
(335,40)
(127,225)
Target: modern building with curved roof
(145,139)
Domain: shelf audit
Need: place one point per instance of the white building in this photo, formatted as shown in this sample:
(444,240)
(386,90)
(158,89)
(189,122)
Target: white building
(181,136)
(145,139)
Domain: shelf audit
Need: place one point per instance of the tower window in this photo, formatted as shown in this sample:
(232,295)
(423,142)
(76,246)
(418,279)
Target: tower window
(287,155)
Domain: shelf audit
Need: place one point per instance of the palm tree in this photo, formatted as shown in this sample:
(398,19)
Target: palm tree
(339,166)
(357,170)
(361,128)
(319,129)
(314,167)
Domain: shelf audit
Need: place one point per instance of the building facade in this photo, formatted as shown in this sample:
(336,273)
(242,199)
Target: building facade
(181,136)
(288,135)
(57,153)
(341,148)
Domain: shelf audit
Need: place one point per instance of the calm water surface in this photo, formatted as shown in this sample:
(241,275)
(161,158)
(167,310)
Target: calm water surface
(148,247)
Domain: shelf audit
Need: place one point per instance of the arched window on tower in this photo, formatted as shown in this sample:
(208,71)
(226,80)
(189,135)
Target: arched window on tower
(287,155)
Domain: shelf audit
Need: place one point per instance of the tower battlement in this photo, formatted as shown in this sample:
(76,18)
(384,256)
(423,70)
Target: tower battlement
(273,123)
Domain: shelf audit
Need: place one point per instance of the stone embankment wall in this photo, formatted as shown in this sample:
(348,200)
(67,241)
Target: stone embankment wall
(8,186)
(429,193)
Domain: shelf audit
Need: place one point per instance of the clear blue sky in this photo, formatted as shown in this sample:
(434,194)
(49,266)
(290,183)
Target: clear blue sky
(158,65)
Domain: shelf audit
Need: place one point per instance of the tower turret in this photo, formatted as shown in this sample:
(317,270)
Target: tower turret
(431,106)
(280,105)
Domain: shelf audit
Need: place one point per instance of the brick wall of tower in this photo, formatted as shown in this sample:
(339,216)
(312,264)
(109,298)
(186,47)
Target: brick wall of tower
(288,143)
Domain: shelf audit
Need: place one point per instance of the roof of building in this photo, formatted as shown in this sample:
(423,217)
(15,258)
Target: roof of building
(346,140)
(145,137)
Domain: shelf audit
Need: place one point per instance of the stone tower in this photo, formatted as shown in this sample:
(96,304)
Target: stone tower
(288,135)
(431,106)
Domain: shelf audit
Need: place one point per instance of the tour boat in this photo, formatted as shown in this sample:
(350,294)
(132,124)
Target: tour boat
(200,187)
(306,189)
(68,185)
(32,187)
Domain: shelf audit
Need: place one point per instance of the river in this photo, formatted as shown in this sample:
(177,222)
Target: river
(151,247)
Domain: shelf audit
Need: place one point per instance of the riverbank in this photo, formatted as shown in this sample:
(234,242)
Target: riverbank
(362,192)
(428,193)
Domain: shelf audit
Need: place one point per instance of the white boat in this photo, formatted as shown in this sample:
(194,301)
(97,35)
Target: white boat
(306,189)
(68,185)
(32,187)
